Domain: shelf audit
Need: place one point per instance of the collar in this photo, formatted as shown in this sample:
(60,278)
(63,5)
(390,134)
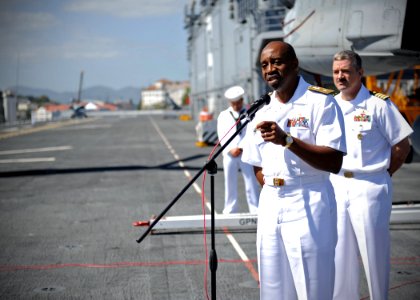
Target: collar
(357,103)
(236,113)
(298,93)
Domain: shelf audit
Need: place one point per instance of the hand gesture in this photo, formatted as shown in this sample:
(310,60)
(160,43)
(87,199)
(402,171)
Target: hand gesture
(271,132)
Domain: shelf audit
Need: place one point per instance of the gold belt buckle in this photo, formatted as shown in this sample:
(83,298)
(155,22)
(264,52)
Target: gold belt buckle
(348,174)
(278,181)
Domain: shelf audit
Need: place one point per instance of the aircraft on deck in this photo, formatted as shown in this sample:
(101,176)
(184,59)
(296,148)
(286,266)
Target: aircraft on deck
(382,32)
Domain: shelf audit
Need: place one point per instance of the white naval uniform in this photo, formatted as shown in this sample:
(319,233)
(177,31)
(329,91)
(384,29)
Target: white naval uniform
(364,202)
(296,233)
(231,165)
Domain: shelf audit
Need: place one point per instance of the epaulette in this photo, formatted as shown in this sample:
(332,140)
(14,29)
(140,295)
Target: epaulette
(322,90)
(379,95)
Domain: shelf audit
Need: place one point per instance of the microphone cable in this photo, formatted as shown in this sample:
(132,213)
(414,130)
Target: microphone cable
(203,206)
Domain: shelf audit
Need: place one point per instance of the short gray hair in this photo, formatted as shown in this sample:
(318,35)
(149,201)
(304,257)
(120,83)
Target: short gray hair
(352,56)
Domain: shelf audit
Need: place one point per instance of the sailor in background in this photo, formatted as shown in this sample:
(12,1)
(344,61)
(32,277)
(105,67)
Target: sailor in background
(232,154)
(377,146)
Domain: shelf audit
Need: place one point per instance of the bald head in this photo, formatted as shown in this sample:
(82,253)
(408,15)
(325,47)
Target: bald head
(279,65)
(285,48)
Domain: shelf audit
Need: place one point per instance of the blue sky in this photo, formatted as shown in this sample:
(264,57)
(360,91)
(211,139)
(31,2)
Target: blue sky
(117,43)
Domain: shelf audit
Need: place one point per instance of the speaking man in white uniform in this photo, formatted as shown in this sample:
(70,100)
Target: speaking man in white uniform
(293,143)
(377,146)
(232,154)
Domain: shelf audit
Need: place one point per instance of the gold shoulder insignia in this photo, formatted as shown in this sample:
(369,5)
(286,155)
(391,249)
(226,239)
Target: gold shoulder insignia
(379,95)
(321,90)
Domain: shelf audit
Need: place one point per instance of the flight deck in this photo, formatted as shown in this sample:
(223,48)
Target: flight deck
(70,194)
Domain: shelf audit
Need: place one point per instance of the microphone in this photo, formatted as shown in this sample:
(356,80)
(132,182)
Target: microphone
(256,105)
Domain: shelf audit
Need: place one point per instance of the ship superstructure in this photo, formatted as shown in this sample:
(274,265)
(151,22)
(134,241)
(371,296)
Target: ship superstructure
(224,41)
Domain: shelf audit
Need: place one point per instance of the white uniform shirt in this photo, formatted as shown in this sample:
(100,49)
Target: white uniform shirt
(225,121)
(312,117)
(373,126)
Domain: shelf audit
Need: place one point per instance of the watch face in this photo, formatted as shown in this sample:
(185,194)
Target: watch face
(289,140)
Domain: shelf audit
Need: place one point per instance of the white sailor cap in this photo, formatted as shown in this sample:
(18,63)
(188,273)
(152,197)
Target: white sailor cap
(234,93)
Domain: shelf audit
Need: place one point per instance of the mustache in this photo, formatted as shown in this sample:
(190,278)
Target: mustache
(275,74)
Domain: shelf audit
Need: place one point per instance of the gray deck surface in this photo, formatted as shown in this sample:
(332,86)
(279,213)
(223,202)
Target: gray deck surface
(66,225)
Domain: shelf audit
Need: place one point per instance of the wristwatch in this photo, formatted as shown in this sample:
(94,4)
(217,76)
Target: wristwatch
(289,140)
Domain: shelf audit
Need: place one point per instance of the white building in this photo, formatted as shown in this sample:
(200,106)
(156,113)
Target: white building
(164,93)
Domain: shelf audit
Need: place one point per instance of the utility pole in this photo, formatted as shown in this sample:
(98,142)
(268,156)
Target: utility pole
(79,96)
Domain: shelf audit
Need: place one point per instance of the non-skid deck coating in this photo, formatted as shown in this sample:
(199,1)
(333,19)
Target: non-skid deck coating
(66,224)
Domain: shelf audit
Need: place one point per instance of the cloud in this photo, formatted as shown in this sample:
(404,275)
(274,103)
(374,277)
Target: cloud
(127,8)
(26,21)
(81,48)
(89,48)
(19,32)
(35,36)
(55,37)
(78,47)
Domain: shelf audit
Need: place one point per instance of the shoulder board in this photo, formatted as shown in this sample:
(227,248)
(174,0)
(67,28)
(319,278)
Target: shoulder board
(321,90)
(379,95)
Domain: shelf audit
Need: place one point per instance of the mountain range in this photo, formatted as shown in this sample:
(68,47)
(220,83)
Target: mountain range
(102,93)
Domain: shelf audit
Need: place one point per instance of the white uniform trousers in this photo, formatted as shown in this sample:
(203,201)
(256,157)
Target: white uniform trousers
(296,237)
(231,166)
(364,206)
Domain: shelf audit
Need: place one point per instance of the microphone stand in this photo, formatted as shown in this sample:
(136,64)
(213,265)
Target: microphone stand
(211,167)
